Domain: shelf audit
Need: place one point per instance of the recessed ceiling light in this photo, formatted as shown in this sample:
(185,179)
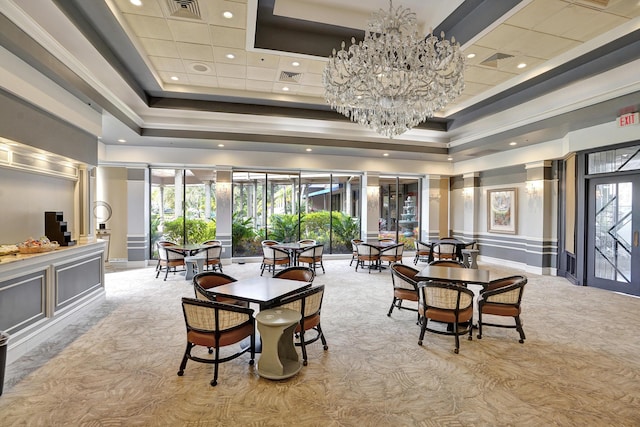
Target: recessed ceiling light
(471,55)
(512,143)
(449,158)
(230,56)
(286,89)
(136,2)
(174,78)
(522,65)
(227,14)
(386,154)
(220,145)
(309,149)
(295,63)
(122,140)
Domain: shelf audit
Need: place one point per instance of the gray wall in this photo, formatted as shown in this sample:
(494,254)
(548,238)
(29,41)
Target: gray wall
(25,197)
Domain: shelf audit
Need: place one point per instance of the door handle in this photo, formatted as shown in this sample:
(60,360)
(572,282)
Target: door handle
(635,239)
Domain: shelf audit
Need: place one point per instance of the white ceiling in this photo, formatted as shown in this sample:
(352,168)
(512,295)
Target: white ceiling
(543,34)
(539,33)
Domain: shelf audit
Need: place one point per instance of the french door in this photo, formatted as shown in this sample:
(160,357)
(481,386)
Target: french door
(613,252)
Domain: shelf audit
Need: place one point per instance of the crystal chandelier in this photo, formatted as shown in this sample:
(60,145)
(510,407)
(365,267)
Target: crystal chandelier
(394,78)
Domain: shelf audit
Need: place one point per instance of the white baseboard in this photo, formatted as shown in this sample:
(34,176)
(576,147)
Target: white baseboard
(542,271)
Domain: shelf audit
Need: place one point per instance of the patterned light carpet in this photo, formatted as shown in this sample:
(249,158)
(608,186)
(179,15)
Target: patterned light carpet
(578,367)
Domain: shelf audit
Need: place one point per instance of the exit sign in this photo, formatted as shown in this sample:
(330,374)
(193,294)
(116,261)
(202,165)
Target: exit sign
(628,119)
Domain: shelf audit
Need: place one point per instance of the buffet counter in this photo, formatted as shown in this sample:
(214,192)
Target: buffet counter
(41,293)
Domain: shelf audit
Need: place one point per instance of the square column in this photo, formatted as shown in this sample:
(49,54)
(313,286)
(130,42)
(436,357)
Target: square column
(540,215)
(471,195)
(370,217)
(224,214)
(430,208)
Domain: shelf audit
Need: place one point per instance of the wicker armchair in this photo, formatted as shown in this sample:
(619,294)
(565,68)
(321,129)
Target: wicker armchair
(204,285)
(448,263)
(168,258)
(423,252)
(312,256)
(303,274)
(502,297)
(447,303)
(213,253)
(213,325)
(272,257)
(392,254)
(405,286)
(307,242)
(354,250)
(445,251)
(368,254)
(308,303)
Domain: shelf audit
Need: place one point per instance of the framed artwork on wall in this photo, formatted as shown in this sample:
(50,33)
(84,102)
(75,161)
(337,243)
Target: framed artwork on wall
(502,210)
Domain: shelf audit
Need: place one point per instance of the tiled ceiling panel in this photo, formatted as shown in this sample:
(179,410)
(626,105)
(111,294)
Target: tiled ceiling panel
(158,47)
(198,52)
(149,26)
(537,32)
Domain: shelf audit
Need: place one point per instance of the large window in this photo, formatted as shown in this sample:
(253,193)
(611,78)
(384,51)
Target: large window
(399,210)
(290,206)
(183,206)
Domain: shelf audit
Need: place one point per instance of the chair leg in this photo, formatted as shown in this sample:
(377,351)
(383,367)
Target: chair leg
(183,364)
(322,265)
(253,348)
(479,323)
(214,381)
(423,328)
(393,304)
(322,338)
(520,330)
(455,334)
(262,270)
(166,274)
(303,347)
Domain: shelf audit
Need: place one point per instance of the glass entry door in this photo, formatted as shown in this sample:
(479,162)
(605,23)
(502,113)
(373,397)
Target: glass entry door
(613,252)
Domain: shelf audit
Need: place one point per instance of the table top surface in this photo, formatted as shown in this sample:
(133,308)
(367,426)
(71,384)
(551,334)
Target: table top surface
(449,241)
(188,247)
(261,290)
(378,244)
(293,246)
(453,274)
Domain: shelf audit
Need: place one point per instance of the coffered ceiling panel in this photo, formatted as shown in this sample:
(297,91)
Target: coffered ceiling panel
(149,26)
(197,52)
(187,51)
(164,48)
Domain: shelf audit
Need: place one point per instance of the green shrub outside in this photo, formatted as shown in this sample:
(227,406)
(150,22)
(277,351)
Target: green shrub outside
(198,230)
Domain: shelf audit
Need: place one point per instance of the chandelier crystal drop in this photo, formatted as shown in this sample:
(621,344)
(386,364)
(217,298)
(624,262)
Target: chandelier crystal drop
(394,79)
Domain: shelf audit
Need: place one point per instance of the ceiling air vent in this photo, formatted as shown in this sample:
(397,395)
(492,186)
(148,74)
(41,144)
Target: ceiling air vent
(184,9)
(290,77)
(492,61)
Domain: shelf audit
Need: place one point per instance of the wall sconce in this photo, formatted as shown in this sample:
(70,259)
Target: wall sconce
(434,196)
(467,193)
(534,188)
(373,195)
